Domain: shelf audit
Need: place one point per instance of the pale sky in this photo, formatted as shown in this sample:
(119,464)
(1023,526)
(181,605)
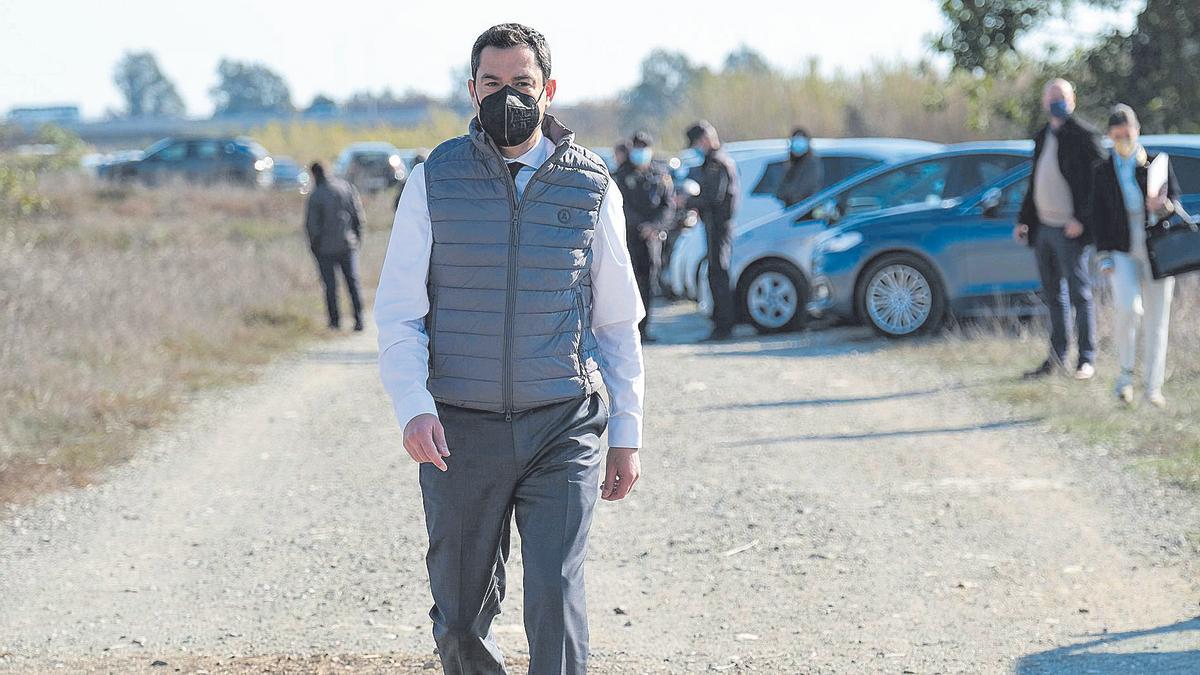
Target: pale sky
(65,52)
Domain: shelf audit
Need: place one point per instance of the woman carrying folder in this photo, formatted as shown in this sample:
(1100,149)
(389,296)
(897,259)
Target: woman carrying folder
(1128,195)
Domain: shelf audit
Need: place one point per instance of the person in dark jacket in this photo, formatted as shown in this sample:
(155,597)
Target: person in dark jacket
(805,173)
(718,200)
(1121,210)
(647,192)
(333,221)
(1052,221)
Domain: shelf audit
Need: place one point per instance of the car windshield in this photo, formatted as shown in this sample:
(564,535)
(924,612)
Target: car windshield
(156,146)
(253,147)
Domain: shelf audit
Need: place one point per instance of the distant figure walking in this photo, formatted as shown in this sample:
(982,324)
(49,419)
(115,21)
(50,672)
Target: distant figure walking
(333,221)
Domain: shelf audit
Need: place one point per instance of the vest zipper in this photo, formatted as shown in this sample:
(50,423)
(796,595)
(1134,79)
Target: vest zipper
(510,296)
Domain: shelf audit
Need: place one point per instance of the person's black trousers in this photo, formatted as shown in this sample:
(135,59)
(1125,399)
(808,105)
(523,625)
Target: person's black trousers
(1062,259)
(544,466)
(329,265)
(720,251)
(642,259)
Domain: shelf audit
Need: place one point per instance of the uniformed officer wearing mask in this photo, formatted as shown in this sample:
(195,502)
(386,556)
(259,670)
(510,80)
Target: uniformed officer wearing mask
(647,191)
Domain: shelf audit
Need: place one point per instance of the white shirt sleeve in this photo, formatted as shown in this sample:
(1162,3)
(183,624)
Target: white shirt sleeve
(616,310)
(401,303)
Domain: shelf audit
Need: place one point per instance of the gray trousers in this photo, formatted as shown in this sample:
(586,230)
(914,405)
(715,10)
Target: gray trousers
(544,466)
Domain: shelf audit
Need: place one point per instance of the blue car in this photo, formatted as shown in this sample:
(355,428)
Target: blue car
(904,270)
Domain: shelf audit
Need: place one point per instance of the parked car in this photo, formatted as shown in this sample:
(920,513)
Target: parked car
(290,176)
(237,160)
(770,270)
(370,166)
(904,270)
(761,165)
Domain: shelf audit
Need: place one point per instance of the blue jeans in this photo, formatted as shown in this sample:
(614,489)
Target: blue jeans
(1063,264)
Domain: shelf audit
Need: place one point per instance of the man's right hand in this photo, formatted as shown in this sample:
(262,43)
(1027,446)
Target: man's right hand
(1021,233)
(425,440)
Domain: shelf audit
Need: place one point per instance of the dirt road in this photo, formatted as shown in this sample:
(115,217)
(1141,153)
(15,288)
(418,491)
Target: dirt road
(810,503)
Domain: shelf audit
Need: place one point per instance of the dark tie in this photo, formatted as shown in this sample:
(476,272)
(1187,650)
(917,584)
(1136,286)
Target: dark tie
(514,168)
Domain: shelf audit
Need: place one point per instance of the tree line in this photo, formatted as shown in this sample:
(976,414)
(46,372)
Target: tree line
(991,90)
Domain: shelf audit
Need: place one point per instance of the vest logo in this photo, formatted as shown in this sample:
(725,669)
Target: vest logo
(564,216)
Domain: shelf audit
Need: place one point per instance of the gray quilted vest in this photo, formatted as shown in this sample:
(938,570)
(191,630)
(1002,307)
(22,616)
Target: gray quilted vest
(510,288)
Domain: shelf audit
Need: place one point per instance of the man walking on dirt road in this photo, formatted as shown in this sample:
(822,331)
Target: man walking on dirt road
(506,294)
(333,220)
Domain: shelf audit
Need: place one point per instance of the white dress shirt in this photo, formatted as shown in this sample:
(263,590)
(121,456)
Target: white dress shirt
(401,303)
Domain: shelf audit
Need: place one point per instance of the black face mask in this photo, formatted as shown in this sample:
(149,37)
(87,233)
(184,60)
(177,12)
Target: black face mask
(509,116)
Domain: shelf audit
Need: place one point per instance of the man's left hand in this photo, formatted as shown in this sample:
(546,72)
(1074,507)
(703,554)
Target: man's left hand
(624,467)
(1074,229)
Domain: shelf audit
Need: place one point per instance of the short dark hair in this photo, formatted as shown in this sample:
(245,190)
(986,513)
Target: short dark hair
(317,171)
(801,131)
(508,35)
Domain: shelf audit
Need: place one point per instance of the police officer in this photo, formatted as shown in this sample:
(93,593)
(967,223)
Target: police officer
(647,190)
(716,204)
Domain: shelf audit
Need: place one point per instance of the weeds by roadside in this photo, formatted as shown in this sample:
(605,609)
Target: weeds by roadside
(116,304)
(1165,442)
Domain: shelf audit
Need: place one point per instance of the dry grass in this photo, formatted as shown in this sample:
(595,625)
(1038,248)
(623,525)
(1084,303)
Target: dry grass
(1165,442)
(117,304)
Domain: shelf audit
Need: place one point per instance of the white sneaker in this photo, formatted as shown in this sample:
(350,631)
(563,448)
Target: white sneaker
(1156,399)
(1085,371)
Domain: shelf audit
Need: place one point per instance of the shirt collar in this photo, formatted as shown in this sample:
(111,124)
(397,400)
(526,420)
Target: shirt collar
(537,155)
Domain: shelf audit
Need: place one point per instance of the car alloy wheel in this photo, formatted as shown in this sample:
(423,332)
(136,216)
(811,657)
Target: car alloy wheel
(899,299)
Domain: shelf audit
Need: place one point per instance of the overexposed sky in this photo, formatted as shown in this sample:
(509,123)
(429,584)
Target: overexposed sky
(65,52)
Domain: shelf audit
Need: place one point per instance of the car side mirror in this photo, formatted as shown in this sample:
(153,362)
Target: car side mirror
(990,204)
(827,211)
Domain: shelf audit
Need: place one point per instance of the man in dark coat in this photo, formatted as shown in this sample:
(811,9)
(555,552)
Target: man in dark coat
(1052,221)
(647,191)
(716,204)
(333,221)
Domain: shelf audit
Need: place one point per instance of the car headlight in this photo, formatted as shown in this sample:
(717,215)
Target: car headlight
(840,242)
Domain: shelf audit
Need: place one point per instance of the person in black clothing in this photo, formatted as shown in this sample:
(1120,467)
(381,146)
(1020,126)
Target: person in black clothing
(334,221)
(805,173)
(1053,222)
(647,193)
(718,200)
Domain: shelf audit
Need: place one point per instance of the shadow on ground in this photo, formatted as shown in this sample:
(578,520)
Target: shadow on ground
(1166,649)
(892,433)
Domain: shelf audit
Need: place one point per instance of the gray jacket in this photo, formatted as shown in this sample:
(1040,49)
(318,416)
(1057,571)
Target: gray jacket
(510,289)
(333,218)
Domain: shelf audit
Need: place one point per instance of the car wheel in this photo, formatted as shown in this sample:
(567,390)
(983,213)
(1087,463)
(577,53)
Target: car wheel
(899,295)
(773,295)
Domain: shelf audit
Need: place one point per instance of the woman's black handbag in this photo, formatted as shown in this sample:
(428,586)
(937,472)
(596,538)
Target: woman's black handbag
(1173,244)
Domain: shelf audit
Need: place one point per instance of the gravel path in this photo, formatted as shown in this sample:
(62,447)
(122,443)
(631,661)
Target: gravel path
(810,503)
